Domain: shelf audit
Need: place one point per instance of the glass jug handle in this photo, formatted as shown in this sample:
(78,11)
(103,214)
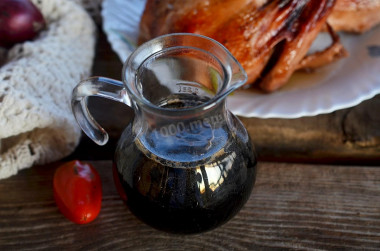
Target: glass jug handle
(100,87)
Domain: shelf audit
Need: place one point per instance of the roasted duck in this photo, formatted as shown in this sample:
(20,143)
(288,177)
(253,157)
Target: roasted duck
(270,40)
(355,15)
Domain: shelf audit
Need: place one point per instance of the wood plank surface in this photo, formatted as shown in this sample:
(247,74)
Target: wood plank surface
(349,136)
(292,206)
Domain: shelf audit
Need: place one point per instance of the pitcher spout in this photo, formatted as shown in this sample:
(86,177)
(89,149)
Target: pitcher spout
(238,75)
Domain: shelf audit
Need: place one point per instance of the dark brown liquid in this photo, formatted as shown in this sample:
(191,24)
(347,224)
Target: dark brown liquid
(188,195)
(181,199)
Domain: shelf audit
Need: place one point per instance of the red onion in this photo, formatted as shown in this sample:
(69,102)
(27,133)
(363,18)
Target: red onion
(20,20)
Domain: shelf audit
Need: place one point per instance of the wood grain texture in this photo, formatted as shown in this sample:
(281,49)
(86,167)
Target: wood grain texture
(292,206)
(348,136)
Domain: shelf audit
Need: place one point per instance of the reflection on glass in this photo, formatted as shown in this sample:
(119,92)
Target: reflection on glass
(215,173)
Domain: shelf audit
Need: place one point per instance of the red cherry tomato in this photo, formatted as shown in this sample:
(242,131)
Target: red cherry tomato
(78,191)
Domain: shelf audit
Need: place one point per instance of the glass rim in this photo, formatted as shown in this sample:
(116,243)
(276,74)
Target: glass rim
(129,76)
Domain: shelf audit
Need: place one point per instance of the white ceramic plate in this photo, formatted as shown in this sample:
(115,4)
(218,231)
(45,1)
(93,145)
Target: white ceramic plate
(337,86)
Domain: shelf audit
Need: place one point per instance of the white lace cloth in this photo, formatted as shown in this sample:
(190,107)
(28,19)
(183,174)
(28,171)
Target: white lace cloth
(36,81)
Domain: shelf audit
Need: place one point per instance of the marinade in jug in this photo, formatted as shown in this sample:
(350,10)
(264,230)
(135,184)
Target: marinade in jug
(182,196)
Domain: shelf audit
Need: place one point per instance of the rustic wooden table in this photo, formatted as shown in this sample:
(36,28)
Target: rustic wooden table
(317,187)
(292,206)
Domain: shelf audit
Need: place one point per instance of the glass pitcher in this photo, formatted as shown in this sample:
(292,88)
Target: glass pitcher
(186,164)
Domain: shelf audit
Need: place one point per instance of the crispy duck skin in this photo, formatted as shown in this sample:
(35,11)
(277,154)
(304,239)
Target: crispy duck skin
(309,18)
(355,15)
(194,16)
(270,40)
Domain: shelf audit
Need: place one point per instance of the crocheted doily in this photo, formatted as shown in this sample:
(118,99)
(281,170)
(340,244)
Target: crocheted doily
(93,7)
(36,81)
